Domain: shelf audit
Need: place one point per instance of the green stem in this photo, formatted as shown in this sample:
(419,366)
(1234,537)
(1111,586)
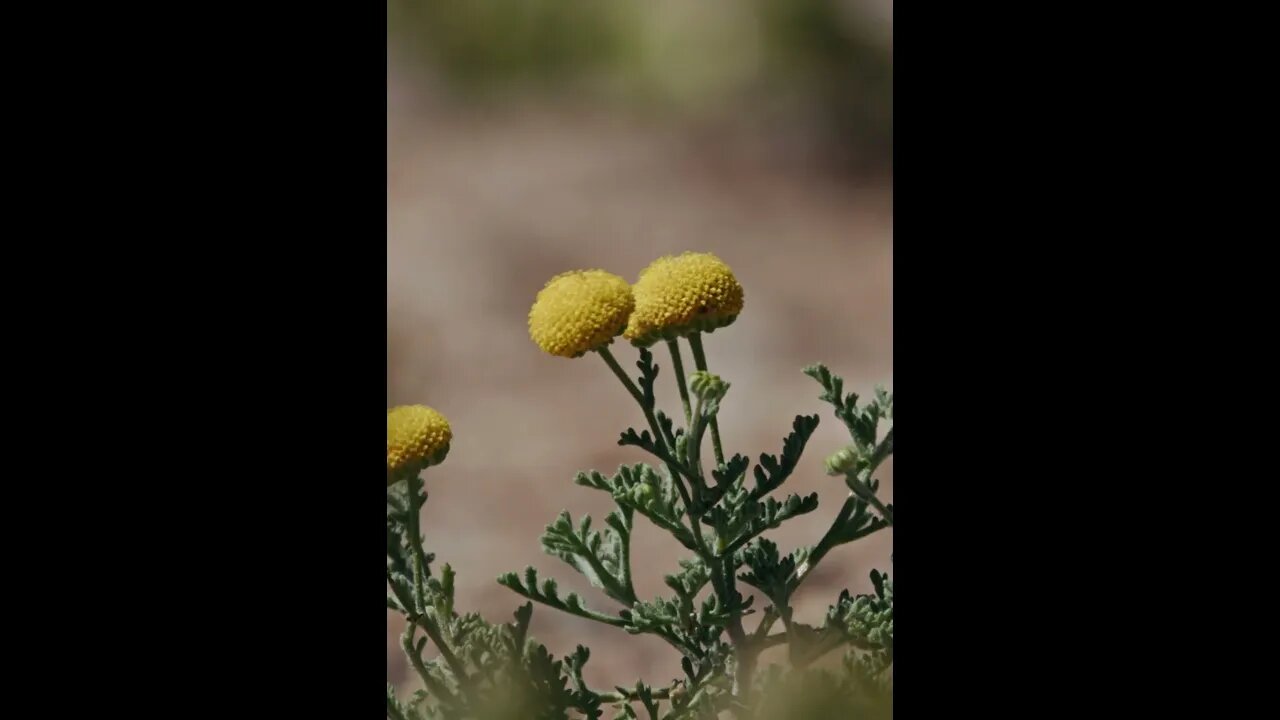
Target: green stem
(612,362)
(421,618)
(580,611)
(659,439)
(432,685)
(625,541)
(433,631)
(677,362)
(591,615)
(700,360)
(693,521)
(414,485)
(882,451)
(661,443)
(745,653)
(863,491)
(725,586)
(693,451)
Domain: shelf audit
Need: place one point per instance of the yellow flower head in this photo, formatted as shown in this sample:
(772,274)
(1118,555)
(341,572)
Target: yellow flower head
(417,437)
(677,296)
(580,311)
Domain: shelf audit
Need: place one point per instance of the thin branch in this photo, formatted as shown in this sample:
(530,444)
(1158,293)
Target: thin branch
(700,360)
(677,363)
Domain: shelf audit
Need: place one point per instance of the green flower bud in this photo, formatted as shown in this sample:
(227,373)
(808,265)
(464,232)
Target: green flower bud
(642,495)
(842,461)
(707,386)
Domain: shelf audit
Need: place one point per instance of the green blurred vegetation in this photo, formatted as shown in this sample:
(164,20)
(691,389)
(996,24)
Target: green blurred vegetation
(847,74)
(822,695)
(680,59)
(496,44)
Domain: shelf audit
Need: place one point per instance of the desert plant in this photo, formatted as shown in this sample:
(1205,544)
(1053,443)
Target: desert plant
(705,503)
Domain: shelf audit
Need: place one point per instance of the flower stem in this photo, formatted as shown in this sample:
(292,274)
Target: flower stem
(743,649)
(725,587)
(661,443)
(677,363)
(421,617)
(433,631)
(612,362)
(432,685)
(414,486)
(745,653)
(700,360)
(864,493)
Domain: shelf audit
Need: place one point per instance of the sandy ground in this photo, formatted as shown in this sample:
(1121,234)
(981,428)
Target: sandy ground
(483,208)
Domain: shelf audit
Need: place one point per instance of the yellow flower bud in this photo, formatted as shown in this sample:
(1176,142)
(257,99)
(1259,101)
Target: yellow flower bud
(677,296)
(417,437)
(580,311)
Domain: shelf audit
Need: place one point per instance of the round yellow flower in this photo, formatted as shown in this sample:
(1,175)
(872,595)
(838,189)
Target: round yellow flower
(417,437)
(580,311)
(677,296)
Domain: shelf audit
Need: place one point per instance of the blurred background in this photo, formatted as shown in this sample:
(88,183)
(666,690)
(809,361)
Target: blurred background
(529,137)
